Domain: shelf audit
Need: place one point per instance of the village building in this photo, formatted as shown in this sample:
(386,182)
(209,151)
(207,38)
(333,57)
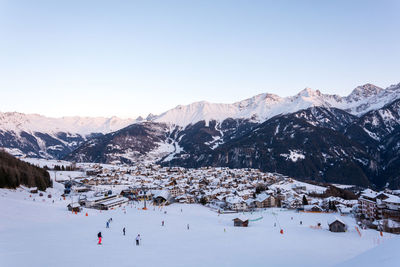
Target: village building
(162,197)
(74,207)
(368,204)
(312,208)
(236,203)
(264,200)
(241,222)
(337,226)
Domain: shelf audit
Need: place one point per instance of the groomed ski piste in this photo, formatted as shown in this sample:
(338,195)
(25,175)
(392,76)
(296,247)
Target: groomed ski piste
(43,233)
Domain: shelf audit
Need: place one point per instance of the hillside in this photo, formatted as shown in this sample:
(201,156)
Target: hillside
(14,172)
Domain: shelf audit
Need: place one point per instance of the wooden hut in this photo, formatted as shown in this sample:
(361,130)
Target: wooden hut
(238,222)
(75,207)
(337,226)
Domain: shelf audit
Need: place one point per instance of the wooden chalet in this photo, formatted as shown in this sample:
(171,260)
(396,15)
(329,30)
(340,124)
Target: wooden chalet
(337,226)
(74,207)
(238,222)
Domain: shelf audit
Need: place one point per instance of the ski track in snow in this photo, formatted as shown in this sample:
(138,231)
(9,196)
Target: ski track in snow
(42,233)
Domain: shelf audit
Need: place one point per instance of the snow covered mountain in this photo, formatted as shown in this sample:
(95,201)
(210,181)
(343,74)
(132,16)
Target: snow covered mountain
(353,139)
(20,122)
(318,143)
(264,106)
(39,136)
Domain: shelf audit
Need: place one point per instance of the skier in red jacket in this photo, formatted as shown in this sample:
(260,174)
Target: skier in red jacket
(99,236)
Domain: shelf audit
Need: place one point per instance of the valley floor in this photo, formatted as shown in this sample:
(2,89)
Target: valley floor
(43,233)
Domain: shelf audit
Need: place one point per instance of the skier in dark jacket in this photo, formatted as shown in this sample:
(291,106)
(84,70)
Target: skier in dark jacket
(123,230)
(138,240)
(99,236)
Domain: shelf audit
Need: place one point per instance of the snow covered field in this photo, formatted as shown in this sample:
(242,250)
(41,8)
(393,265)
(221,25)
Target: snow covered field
(42,233)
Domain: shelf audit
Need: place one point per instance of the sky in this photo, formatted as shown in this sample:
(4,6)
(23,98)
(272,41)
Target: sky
(130,58)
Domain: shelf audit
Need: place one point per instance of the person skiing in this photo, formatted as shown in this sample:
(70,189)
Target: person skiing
(188,226)
(99,236)
(123,230)
(162,223)
(107,224)
(138,239)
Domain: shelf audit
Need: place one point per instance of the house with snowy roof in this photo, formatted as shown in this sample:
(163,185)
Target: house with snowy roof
(390,212)
(75,207)
(371,204)
(161,197)
(241,221)
(236,203)
(337,225)
(264,200)
(312,208)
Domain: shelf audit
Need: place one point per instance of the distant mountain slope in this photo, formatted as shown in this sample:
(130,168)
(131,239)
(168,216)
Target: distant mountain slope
(306,145)
(124,146)
(14,172)
(353,139)
(319,143)
(151,142)
(20,122)
(379,131)
(39,136)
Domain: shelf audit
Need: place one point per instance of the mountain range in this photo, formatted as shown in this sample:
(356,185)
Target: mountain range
(311,136)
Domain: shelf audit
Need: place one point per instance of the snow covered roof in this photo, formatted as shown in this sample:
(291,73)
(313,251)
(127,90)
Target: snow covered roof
(309,207)
(234,200)
(369,193)
(392,199)
(334,219)
(261,197)
(74,205)
(241,217)
(162,193)
(393,224)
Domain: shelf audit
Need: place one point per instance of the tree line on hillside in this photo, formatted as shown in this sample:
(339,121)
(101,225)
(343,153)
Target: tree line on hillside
(61,168)
(14,172)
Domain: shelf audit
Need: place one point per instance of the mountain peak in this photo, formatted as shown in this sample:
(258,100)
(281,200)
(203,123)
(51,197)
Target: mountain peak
(364,91)
(394,87)
(308,92)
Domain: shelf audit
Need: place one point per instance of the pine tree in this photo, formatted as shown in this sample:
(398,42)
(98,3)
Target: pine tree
(305,201)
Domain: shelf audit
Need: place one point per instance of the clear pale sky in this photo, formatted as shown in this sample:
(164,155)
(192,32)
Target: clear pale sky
(129,58)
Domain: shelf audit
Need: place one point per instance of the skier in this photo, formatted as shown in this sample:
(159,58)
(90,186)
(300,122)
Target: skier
(301,222)
(123,230)
(162,223)
(99,236)
(188,226)
(138,239)
(107,224)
